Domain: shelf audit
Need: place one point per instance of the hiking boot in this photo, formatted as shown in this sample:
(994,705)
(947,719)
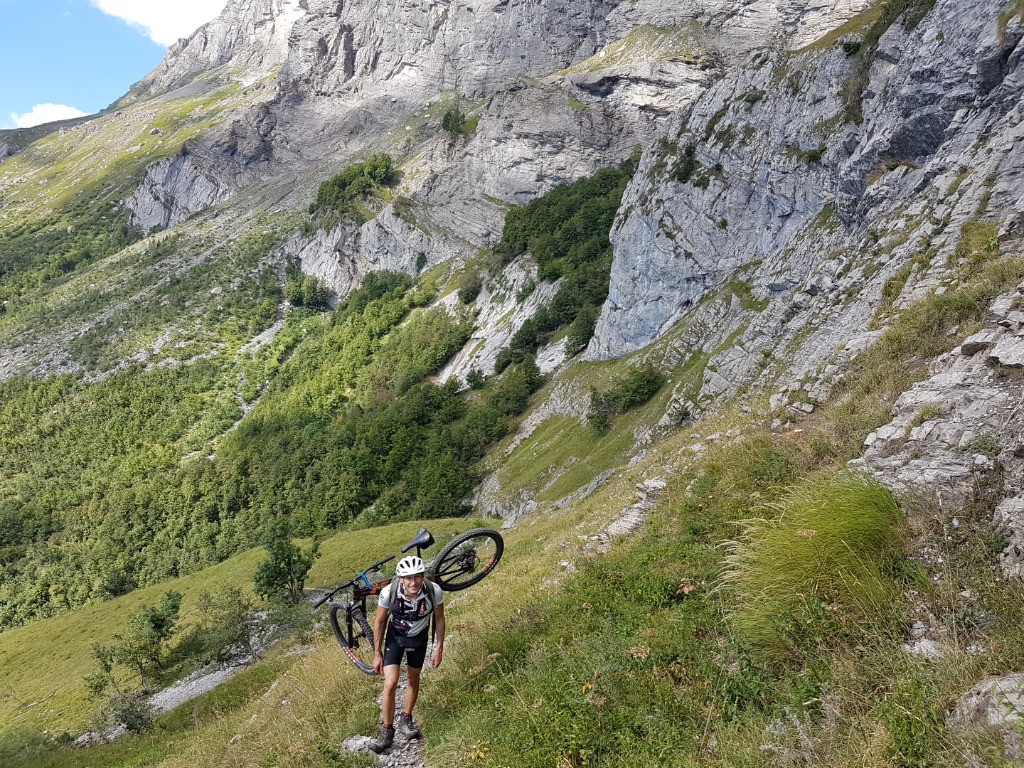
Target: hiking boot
(407,727)
(382,742)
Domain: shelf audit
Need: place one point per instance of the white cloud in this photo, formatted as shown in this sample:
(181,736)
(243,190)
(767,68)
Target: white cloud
(163,21)
(45,113)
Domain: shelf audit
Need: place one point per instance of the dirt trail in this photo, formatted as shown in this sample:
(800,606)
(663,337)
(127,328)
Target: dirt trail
(405,753)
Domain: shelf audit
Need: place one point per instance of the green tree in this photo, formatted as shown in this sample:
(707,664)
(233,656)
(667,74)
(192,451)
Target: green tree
(118,706)
(284,571)
(293,290)
(228,624)
(145,645)
(314,292)
(581,329)
(638,385)
(143,648)
(453,121)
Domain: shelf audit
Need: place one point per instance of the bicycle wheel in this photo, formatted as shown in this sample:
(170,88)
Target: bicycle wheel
(357,644)
(467,558)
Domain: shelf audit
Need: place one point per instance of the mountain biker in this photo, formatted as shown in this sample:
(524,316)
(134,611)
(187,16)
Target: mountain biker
(409,601)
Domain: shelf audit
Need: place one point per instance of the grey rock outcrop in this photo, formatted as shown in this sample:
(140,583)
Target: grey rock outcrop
(566,88)
(252,36)
(995,706)
(174,189)
(767,181)
(1009,519)
(343,256)
(500,312)
(962,428)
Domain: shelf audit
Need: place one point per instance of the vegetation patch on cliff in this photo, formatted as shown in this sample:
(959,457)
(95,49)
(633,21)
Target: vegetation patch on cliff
(646,43)
(343,193)
(567,232)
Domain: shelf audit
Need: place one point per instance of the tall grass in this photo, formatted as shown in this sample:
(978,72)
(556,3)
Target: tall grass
(823,565)
(923,331)
(627,665)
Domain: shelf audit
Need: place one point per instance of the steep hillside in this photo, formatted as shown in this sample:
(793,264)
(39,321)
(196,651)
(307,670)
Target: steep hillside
(351,268)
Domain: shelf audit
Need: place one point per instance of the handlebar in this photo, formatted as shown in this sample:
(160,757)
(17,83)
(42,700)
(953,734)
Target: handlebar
(361,575)
(423,540)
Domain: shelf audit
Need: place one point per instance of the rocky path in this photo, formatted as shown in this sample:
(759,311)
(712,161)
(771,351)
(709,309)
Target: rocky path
(405,753)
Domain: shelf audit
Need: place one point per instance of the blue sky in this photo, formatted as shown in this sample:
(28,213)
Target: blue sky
(84,54)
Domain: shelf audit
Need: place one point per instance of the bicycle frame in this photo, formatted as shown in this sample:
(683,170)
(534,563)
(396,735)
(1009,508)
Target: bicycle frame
(362,587)
(457,565)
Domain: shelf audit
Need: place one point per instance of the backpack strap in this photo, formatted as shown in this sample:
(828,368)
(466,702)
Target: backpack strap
(429,585)
(428,592)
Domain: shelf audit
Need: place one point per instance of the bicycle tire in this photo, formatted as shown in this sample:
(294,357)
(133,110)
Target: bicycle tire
(467,559)
(358,652)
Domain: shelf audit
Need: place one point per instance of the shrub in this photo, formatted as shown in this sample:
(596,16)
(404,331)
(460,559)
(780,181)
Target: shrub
(581,329)
(284,571)
(376,285)
(636,387)
(314,292)
(291,618)
(305,290)
(822,567)
(472,288)
(453,121)
(228,624)
(511,394)
(687,165)
(356,181)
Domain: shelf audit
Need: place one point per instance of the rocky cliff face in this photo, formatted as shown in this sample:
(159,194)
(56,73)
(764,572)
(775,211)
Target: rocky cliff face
(799,159)
(767,173)
(559,89)
(958,433)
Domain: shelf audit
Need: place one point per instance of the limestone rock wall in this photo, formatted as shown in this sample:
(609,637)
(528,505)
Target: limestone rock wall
(562,88)
(959,432)
(767,187)
(174,189)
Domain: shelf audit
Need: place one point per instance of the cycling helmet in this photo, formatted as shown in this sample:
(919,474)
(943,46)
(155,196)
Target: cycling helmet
(410,566)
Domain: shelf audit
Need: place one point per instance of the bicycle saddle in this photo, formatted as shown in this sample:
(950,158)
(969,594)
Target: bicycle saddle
(424,539)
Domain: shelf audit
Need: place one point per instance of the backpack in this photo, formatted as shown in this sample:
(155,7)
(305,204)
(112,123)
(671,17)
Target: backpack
(428,592)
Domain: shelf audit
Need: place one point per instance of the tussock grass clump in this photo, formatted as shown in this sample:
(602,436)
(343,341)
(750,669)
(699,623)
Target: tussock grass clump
(824,567)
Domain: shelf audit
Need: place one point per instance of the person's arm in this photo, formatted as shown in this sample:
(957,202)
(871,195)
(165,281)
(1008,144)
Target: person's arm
(439,625)
(378,639)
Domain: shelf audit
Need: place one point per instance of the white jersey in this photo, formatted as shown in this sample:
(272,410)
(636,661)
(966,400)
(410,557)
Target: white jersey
(409,617)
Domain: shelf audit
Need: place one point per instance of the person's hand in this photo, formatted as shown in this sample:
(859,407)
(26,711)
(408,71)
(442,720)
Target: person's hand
(435,660)
(378,663)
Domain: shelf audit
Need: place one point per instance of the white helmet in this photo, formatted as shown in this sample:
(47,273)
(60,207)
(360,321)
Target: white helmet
(410,566)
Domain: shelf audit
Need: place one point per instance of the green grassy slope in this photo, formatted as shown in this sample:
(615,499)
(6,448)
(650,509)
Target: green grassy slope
(45,662)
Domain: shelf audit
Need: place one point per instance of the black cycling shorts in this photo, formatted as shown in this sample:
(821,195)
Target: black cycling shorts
(414,649)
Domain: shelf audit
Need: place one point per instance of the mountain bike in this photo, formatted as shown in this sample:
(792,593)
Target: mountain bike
(461,563)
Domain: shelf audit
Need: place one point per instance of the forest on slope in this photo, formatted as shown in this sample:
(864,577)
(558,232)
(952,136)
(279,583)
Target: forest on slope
(158,471)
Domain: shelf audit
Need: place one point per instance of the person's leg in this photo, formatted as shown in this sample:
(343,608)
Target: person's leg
(387,708)
(412,692)
(416,657)
(387,702)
